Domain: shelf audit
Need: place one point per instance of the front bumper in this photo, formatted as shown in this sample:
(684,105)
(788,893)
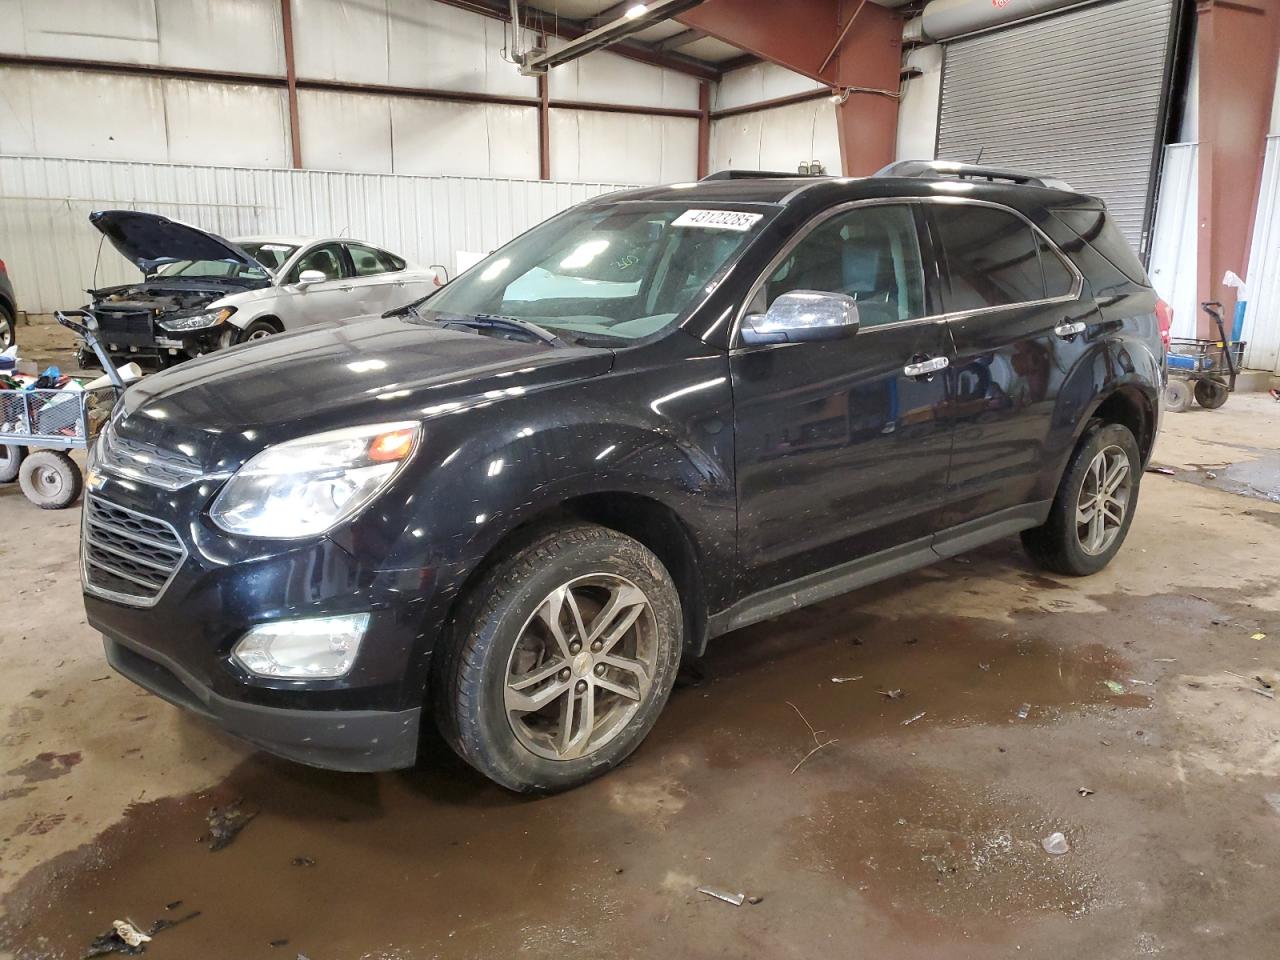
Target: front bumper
(357,741)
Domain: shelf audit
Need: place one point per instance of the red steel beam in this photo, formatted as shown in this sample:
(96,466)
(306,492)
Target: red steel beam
(544,129)
(291,83)
(1238,46)
(817,38)
(704,129)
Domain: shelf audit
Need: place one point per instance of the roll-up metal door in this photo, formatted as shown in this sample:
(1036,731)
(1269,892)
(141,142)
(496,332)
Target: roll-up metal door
(1078,95)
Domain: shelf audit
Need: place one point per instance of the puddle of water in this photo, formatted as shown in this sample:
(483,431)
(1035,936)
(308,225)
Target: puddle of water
(440,863)
(1258,478)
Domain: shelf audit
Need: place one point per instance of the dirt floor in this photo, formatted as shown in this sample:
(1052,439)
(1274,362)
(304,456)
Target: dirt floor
(1131,711)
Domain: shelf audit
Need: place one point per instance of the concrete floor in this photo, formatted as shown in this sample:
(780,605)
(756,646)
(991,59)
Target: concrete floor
(895,840)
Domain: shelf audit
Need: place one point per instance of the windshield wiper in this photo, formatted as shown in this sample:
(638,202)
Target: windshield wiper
(493,321)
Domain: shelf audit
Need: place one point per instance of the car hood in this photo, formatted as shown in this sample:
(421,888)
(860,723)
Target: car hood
(149,241)
(362,370)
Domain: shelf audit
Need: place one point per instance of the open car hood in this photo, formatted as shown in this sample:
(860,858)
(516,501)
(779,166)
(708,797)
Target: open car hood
(149,241)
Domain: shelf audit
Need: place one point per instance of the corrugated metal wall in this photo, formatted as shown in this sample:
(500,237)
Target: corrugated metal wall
(1085,88)
(51,250)
(1262,315)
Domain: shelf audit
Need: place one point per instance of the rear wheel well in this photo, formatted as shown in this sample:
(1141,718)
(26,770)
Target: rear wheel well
(1128,407)
(653,524)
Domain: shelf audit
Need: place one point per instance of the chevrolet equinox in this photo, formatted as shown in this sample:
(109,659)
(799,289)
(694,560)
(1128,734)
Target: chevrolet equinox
(662,415)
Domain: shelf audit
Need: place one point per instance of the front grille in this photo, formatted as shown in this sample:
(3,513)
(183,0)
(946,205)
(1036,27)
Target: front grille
(126,555)
(167,469)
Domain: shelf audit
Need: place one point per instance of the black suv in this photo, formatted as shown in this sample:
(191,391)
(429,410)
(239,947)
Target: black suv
(659,416)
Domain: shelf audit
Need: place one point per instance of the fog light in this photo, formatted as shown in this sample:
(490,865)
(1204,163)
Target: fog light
(317,648)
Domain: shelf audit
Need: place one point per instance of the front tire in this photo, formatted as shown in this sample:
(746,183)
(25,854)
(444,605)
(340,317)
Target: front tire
(1094,505)
(560,659)
(258,330)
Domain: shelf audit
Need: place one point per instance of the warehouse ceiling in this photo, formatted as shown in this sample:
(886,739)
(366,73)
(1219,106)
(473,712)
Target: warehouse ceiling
(666,38)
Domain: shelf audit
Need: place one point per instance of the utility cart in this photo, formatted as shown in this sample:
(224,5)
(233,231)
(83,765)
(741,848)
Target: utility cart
(54,421)
(1203,369)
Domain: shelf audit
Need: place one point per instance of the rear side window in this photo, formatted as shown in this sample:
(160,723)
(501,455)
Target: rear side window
(1059,281)
(871,254)
(1098,229)
(992,257)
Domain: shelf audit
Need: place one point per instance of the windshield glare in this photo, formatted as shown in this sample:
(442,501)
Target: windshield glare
(625,271)
(273,256)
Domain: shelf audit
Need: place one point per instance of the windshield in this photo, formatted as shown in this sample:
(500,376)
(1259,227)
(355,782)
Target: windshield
(273,256)
(625,271)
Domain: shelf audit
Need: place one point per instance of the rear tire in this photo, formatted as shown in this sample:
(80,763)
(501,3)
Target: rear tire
(8,328)
(539,708)
(1211,393)
(11,457)
(50,479)
(1094,505)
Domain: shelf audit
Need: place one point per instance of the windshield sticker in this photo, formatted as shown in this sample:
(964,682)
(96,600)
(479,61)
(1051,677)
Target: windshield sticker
(718,220)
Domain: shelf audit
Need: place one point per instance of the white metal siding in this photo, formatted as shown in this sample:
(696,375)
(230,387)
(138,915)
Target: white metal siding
(1262,315)
(1173,237)
(51,249)
(780,138)
(1075,96)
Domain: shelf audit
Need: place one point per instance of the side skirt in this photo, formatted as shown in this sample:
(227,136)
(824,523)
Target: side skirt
(864,571)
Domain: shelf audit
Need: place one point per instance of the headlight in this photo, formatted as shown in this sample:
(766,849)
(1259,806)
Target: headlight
(306,487)
(200,321)
(321,647)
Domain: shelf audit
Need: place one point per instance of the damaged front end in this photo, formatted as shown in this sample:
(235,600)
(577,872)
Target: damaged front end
(154,321)
(175,313)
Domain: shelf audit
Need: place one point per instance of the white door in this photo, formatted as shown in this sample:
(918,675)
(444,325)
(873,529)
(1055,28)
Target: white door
(331,299)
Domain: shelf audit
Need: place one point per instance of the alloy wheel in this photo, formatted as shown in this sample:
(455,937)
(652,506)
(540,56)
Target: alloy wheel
(1103,500)
(583,664)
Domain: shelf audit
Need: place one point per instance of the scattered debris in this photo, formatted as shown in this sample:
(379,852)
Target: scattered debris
(984,667)
(1263,683)
(1167,471)
(734,898)
(1024,711)
(1165,660)
(1113,686)
(163,924)
(1141,683)
(820,743)
(1273,799)
(282,942)
(1211,475)
(758,899)
(173,906)
(303,862)
(913,719)
(1055,844)
(1258,636)
(1084,791)
(225,823)
(891,694)
(845,679)
(123,937)
(1263,693)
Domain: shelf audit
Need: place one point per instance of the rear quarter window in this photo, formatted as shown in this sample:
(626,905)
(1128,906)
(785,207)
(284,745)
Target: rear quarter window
(991,257)
(1095,227)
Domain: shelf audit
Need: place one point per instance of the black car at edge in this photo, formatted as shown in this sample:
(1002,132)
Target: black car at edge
(660,416)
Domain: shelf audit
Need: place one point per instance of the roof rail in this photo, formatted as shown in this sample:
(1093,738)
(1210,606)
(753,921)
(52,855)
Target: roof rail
(757,175)
(968,171)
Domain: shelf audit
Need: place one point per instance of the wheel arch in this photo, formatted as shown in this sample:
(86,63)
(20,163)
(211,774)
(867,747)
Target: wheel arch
(649,521)
(1129,405)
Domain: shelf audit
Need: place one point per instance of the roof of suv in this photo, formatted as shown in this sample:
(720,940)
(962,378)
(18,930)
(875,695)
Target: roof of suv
(819,192)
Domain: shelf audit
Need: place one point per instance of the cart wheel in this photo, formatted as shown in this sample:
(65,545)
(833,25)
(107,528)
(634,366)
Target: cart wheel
(11,457)
(1211,393)
(1177,396)
(50,479)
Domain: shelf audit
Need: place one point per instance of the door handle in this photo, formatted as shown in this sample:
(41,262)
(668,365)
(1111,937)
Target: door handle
(1067,330)
(924,368)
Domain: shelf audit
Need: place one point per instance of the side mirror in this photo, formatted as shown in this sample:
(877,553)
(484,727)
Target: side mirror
(307,277)
(803,315)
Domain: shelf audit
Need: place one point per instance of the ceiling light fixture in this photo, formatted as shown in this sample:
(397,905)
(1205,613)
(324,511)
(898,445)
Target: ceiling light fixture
(636,11)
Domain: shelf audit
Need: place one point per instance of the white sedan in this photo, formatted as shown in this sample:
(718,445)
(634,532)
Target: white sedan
(200,292)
